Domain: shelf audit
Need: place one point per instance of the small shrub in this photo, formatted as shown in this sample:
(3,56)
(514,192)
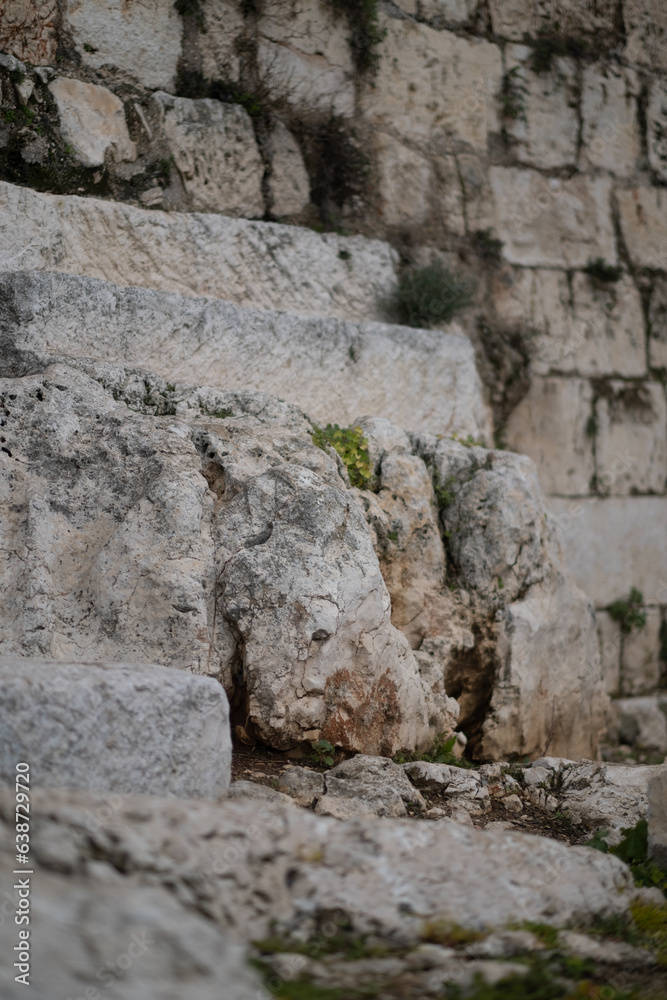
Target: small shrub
(430,295)
(352,447)
(602,272)
(444,495)
(442,753)
(629,613)
(633,849)
(323,753)
(9,115)
(366,33)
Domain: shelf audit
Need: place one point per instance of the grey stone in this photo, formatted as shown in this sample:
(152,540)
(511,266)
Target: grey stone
(377,781)
(657,817)
(127,728)
(303,785)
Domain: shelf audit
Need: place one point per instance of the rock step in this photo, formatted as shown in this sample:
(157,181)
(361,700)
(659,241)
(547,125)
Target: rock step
(261,264)
(335,370)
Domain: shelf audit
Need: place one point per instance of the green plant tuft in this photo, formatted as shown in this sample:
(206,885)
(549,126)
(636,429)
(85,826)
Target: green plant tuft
(629,613)
(442,753)
(430,295)
(365,31)
(323,753)
(352,447)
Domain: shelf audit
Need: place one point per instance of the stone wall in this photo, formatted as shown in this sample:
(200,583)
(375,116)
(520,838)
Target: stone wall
(524,143)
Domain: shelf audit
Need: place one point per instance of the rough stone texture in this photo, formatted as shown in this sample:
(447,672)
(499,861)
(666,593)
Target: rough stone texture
(576,326)
(544,666)
(631,438)
(302,784)
(288,182)
(550,425)
(462,789)
(646,28)
(611,137)
(142,730)
(220,39)
(28,30)
(643,216)
(657,345)
(267,580)
(545,133)
(379,783)
(421,379)
(100,930)
(92,120)
(405,178)
(546,222)
(637,557)
(657,817)
(142,38)
(215,151)
(261,264)
(231,860)
(609,636)
(432,86)
(656,127)
(641,722)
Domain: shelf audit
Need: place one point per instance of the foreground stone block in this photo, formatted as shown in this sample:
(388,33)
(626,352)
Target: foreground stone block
(215,151)
(28,30)
(234,259)
(120,727)
(613,544)
(92,120)
(546,222)
(142,38)
(421,379)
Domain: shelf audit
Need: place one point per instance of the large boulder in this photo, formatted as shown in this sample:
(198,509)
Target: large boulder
(116,727)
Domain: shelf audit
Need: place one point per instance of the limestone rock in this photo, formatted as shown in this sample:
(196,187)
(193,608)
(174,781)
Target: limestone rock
(262,793)
(231,860)
(405,179)
(220,39)
(546,222)
(142,38)
(641,663)
(193,254)
(421,379)
(288,182)
(143,730)
(92,120)
(640,722)
(215,151)
(462,789)
(304,785)
(657,817)
(28,30)
(646,31)
(632,422)
(611,137)
(643,216)
(545,132)
(101,930)
(657,345)
(377,781)
(656,128)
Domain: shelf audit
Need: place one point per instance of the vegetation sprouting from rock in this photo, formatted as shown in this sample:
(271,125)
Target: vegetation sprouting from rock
(352,447)
(629,613)
(431,295)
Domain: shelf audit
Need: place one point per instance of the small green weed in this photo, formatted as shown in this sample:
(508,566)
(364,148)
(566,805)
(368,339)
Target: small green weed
(629,613)
(442,753)
(444,495)
(513,96)
(323,753)
(469,441)
(430,295)
(222,414)
(449,934)
(633,849)
(545,933)
(352,447)
(365,31)
(9,115)
(602,272)
(28,114)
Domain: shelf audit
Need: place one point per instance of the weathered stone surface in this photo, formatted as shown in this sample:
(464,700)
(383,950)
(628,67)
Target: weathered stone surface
(611,138)
(28,30)
(135,729)
(92,120)
(546,222)
(640,722)
(609,637)
(432,85)
(462,789)
(231,860)
(100,930)
(377,781)
(517,18)
(657,344)
(421,379)
(643,215)
(142,38)
(220,39)
(196,254)
(631,432)
(511,18)
(288,182)
(613,544)
(405,179)
(545,133)
(480,210)
(215,151)
(657,817)
(550,425)
(575,326)
(656,127)
(305,786)
(646,31)
(543,664)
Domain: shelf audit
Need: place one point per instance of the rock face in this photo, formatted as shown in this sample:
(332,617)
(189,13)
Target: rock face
(115,727)
(92,120)
(267,580)
(422,379)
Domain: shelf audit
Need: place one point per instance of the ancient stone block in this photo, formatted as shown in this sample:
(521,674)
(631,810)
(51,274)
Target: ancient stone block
(611,137)
(288,182)
(220,40)
(656,127)
(28,30)
(92,120)
(631,438)
(609,638)
(641,667)
(615,543)
(432,86)
(112,727)
(550,425)
(643,214)
(657,344)
(143,38)
(480,213)
(404,182)
(215,151)
(646,31)
(545,127)
(640,722)
(552,223)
